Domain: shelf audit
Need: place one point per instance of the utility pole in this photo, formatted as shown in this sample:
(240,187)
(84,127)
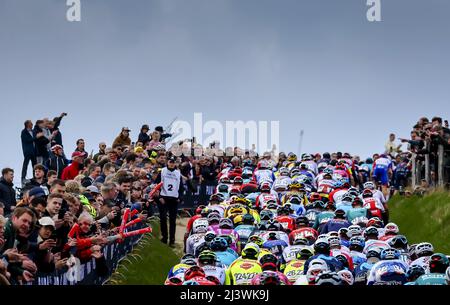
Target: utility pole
(300,143)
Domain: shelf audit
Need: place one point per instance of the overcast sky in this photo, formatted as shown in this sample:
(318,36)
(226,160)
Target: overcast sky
(313,65)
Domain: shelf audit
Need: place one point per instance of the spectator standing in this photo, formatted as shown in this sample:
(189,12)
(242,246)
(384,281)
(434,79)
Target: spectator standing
(57,160)
(28,148)
(169,197)
(38,179)
(101,151)
(80,147)
(71,171)
(144,138)
(123,139)
(7,192)
(94,170)
(391,147)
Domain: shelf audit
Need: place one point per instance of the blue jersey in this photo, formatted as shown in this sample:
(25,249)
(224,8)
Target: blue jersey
(226,257)
(276,247)
(333,263)
(361,272)
(334,225)
(390,272)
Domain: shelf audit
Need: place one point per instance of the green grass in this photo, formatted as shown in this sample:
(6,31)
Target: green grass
(147,264)
(424,219)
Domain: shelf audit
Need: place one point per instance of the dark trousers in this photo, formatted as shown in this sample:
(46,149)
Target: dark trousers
(26,161)
(170,206)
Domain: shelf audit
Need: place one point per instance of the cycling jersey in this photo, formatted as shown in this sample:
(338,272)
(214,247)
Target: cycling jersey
(242,271)
(193,242)
(226,257)
(283,279)
(354,213)
(322,218)
(307,232)
(216,271)
(178,271)
(294,269)
(431,279)
(389,272)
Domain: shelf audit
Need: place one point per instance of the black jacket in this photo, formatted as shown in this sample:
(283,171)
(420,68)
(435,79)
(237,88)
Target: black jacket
(41,143)
(28,145)
(7,195)
(144,138)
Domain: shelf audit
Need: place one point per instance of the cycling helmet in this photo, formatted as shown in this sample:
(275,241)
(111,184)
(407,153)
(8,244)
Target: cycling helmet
(399,242)
(173,281)
(219,244)
(256,240)
(222,188)
(266,215)
(319,204)
(235,191)
(238,220)
(328,170)
(353,192)
(263,164)
(213,279)
(209,236)
(207,257)
(314,271)
(250,251)
(304,253)
(269,262)
(367,193)
(321,246)
(213,218)
(371,231)
(188,259)
(329,278)
(292,157)
(343,232)
(447,276)
(192,272)
(248,219)
(295,185)
(414,272)
(346,277)
(269,278)
(238,180)
(357,243)
(334,242)
(199,209)
(391,229)
(438,263)
(360,221)
(262,226)
(300,240)
(339,213)
(357,201)
(302,221)
(274,225)
(226,223)
(224,180)
(284,171)
(347,197)
(295,199)
(369,186)
(215,198)
(375,222)
(354,230)
(265,186)
(314,196)
(389,254)
(374,252)
(424,249)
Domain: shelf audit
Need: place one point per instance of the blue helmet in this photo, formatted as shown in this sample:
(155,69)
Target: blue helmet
(219,244)
(389,253)
(357,243)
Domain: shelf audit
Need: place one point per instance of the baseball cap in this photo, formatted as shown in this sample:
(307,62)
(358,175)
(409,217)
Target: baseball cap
(93,189)
(126,129)
(55,147)
(145,126)
(159,128)
(47,221)
(77,154)
(36,192)
(171,159)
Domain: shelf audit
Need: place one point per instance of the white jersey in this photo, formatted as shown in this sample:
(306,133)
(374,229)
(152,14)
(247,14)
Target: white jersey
(193,242)
(170,182)
(373,203)
(312,166)
(423,262)
(379,195)
(337,197)
(290,252)
(216,271)
(264,175)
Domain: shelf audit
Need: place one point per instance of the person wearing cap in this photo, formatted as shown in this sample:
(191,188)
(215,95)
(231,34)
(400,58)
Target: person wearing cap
(43,256)
(164,135)
(143,137)
(71,171)
(57,160)
(123,139)
(170,195)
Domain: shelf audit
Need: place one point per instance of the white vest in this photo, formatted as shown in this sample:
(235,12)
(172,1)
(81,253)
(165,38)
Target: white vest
(170,182)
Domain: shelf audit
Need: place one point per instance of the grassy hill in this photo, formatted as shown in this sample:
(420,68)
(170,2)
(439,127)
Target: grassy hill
(147,264)
(424,219)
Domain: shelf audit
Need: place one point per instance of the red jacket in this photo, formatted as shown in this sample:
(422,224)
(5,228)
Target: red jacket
(71,171)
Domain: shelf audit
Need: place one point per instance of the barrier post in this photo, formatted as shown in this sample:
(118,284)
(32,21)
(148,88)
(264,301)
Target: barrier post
(441,165)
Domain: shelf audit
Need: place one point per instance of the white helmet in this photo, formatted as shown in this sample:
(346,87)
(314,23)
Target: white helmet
(316,266)
(369,185)
(391,228)
(346,277)
(355,230)
(200,226)
(424,249)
